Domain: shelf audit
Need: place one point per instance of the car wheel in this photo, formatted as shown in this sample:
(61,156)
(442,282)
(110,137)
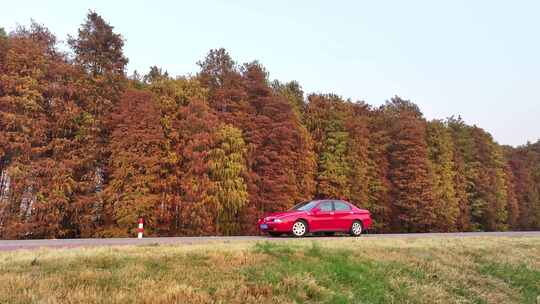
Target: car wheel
(356,228)
(274,234)
(299,228)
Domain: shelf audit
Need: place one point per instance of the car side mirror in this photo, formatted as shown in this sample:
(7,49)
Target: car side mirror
(315,210)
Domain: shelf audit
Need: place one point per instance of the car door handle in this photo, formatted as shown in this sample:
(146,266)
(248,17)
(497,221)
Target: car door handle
(331,213)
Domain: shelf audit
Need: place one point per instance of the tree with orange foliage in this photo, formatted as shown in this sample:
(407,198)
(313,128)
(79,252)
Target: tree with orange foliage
(134,188)
(412,196)
(40,131)
(524,162)
(278,146)
(99,55)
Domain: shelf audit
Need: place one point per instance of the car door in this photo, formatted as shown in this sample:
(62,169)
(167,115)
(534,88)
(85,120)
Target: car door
(342,215)
(322,219)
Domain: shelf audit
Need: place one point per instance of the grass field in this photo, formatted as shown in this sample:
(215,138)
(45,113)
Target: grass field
(348,270)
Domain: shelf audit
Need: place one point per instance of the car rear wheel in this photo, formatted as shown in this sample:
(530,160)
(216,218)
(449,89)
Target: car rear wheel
(299,228)
(356,228)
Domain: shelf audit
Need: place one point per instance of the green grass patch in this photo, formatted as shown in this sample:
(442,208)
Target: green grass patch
(521,277)
(326,275)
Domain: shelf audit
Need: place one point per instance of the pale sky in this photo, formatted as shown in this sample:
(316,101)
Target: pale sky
(477,59)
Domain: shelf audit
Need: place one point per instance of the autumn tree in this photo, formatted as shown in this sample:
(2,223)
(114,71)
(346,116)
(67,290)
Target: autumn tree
(357,125)
(227,165)
(221,76)
(304,154)
(465,173)
(294,94)
(280,162)
(378,182)
(135,81)
(481,178)
(441,161)
(413,208)
(489,201)
(155,75)
(23,124)
(134,189)
(325,119)
(196,124)
(99,54)
(172,96)
(40,131)
(279,146)
(513,207)
(524,162)
(205,163)
(98,49)
(3,46)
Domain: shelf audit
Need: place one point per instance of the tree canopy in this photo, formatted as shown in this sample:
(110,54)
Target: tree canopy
(86,150)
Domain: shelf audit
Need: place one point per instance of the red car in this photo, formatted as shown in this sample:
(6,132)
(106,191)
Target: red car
(324,216)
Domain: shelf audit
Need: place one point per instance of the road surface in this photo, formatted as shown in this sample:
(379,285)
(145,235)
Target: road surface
(6,245)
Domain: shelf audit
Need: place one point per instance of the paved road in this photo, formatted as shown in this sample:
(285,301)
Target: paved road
(67,243)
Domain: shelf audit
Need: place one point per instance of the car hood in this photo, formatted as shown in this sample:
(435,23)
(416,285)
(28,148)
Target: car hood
(283,214)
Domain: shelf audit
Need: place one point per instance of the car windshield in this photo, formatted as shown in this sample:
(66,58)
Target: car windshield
(304,206)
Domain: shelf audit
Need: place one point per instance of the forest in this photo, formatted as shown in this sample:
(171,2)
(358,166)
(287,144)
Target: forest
(85,149)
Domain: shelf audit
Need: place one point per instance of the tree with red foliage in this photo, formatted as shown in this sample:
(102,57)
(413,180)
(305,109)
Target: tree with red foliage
(524,162)
(413,209)
(40,130)
(134,188)
(512,200)
(99,55)
(378,182)
(279,146)
(272,130)
(196,125)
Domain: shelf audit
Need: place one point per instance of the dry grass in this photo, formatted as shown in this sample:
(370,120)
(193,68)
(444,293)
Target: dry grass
(364,270)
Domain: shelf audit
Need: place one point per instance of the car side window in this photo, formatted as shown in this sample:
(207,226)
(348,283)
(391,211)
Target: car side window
(341,206)
(325,206)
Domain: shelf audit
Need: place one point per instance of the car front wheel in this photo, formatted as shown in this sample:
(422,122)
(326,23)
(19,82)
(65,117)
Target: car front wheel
(299,228)
(356,228)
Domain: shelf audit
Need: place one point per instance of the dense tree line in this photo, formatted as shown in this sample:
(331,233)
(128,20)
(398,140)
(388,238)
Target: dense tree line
(86,150)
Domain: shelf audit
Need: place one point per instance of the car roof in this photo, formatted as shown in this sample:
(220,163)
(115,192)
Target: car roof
(331,200)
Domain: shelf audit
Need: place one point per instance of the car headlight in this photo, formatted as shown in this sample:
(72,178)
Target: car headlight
(278,221)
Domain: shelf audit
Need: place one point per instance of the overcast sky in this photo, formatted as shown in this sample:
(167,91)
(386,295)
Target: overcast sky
(477,59)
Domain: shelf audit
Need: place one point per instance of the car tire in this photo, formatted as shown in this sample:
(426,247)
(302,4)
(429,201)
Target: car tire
(274,234)
(356,228)
(300,228)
